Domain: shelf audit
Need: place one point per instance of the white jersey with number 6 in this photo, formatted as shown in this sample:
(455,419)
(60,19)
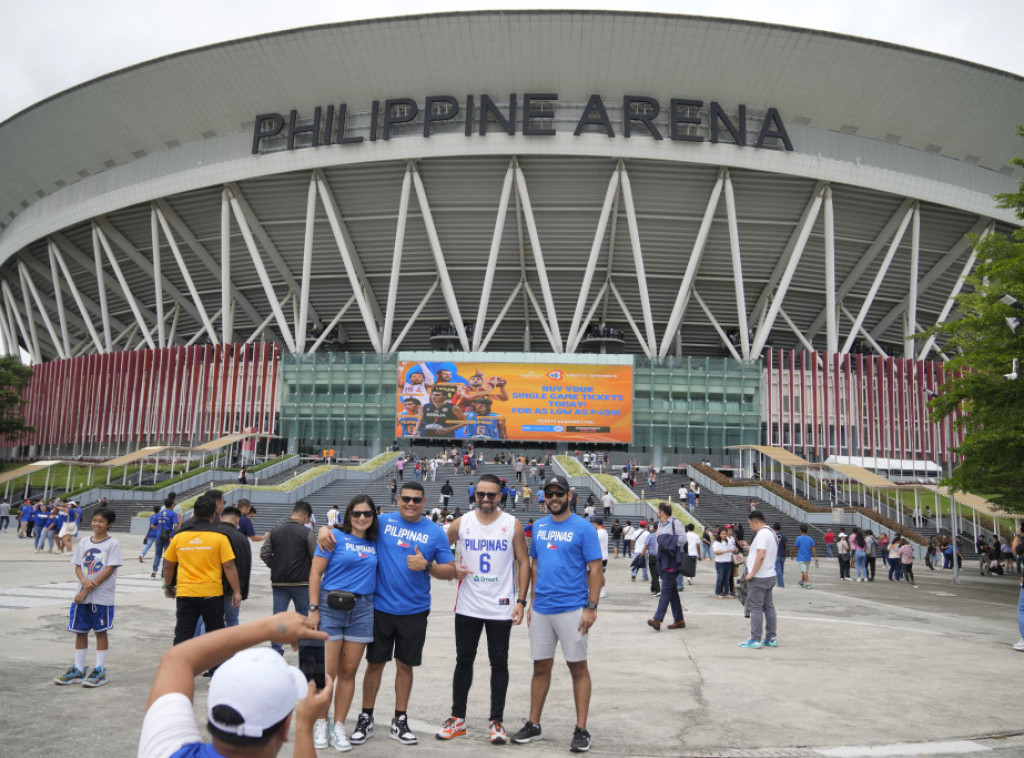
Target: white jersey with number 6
(488,591)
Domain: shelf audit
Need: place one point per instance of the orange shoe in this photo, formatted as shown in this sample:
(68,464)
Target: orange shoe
(498,734)
(453,727)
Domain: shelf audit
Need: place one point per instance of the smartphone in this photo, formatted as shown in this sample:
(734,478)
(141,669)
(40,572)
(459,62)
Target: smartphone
(311,661)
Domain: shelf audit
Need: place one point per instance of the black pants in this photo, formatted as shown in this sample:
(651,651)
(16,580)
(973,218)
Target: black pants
(844,566)
(467,638)
(190,609)
(871,568)
(652,564)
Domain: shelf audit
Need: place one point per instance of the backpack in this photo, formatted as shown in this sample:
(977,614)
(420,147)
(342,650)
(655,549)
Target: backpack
(166,524)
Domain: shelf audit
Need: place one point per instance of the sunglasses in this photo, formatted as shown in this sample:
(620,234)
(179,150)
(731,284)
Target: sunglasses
(362,514)
(410,499)
(488,495)
(554,493)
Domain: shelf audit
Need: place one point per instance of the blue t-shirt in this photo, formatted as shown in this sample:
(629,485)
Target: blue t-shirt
(351,566)
(400,591)
(153,532)
(245,526)
(804,543)
(562,550)
(196,750)
(40,517)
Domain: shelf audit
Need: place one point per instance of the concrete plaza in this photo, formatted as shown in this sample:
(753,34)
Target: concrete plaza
(862,669)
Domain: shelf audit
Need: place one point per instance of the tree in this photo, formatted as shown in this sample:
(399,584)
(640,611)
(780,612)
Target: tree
(14,379)
(989,335)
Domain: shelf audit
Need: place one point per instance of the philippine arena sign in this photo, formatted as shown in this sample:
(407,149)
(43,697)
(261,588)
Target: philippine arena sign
(477,400)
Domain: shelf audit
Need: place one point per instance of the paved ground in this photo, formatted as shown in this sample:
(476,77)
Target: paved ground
(873,669)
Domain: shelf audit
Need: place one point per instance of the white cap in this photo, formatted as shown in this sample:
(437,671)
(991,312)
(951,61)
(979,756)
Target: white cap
(842,534)
(260,685)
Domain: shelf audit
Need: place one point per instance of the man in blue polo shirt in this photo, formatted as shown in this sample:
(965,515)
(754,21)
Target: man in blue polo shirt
(566,580)
(410,549)
(804,545)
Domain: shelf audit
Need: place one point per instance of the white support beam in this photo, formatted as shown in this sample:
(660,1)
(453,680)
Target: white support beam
(675,319)
(58,296)
(125,287)
(631,320)
(9,343)
(158,278)
(347,252)
(717,327)
(638,260)
(28,283)
(580,333)
(915,265)
(869,300)
(202,329)
(27,333)
(831,314)
(951,258)
(101,288)
(501,316)
(492,256)
(737,265)
(874,345)
(787,275)
(442,267)
(799,335)
(578,326)
(538,258)
(330,327)
(396,258)
(227,323)
(197,301)
(416,313)
(173,333)
(76,296)
(947,307)
(307,264)
(266,322)
(540,315)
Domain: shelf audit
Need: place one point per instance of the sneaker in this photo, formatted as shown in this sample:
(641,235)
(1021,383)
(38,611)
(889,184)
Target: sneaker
(529,733)
(453,727)
(337,739)
(498,734)
(71,676)
(96,678)
(752,644)
(320,734)
(400,731)
(1018,646)
(773,642)
(580,741)
(363,730)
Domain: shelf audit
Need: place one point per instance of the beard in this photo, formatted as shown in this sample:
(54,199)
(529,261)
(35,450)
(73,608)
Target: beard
(487,507)
(557,509)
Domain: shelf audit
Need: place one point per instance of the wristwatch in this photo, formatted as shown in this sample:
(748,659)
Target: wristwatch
(314,607)
(429,565)
(521,601)
(591,606)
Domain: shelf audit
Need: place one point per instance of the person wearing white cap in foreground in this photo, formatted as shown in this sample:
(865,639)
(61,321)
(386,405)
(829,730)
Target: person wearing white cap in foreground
(252,695)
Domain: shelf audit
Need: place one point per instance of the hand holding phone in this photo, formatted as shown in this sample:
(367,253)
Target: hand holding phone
(311,661)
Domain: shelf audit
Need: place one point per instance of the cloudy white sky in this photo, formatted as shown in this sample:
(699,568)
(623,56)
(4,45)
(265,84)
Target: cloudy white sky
(50,45)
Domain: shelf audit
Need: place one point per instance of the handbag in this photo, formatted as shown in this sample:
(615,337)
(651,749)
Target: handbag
(688,565)
(341,600)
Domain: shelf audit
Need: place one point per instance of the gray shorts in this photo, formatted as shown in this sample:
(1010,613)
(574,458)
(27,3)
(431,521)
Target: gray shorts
(805,566)
(546,631)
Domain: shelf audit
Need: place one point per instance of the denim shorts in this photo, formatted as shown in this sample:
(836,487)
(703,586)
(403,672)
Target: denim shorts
(355,625)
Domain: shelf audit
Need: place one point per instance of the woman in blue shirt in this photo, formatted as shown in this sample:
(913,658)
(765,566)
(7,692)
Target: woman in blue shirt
(351,567)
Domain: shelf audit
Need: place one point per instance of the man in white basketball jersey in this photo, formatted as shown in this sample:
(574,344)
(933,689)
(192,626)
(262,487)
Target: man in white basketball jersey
(492,542)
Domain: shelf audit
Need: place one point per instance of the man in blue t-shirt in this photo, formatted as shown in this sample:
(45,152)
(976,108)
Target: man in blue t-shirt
(410,549)
(804,545)
(566,579)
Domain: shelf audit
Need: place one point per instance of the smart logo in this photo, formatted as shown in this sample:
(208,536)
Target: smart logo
(556,375)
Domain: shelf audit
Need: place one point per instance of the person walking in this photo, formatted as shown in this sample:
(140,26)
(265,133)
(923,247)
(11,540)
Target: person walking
(780,556)
(907,560)
(760,576)
(805,552)
(288,552)
(671,538)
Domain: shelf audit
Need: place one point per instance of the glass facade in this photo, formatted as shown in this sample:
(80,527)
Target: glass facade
(679,403)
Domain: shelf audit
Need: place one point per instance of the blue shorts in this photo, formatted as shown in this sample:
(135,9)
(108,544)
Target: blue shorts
(90,618)
(355,625)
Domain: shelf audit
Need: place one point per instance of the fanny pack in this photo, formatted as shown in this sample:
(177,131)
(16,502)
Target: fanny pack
(341,600)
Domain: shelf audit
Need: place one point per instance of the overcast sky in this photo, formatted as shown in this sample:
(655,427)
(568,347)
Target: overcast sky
(50,45)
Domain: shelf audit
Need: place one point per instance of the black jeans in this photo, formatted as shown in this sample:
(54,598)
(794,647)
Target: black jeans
(844,566)
(190,609)
(652,564)
(467,638)
(871,568)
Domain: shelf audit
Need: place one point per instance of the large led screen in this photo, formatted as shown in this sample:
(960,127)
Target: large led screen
(470,400)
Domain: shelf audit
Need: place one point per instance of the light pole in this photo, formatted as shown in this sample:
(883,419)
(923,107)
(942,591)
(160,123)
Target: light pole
(953,515)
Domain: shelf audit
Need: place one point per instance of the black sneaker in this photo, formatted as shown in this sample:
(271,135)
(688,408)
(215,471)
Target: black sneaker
(529,733)
(580,741)
(400,731)
(363,730)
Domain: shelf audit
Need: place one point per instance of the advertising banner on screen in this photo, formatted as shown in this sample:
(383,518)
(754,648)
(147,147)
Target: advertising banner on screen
(473,400)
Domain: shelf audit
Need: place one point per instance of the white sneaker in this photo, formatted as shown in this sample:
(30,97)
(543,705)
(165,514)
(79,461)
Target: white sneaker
(320,733)
(338,739)
(1020,645)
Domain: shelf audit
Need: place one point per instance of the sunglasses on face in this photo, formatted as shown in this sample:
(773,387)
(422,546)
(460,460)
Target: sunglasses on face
(410,499)
(554,493)
(487,495)
(362,514)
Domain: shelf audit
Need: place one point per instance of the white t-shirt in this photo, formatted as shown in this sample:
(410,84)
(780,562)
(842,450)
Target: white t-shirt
(692,544)
(332,517)
(169,724)
(607,501)
(764,540)
(488,592)
(93,557)
(602,540)
(639,540)
(682,493)
(725,557)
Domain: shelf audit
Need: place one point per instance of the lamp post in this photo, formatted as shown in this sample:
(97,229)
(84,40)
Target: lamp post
(953,519)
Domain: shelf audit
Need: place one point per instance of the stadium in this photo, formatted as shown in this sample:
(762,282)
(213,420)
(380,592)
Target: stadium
(252,237)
